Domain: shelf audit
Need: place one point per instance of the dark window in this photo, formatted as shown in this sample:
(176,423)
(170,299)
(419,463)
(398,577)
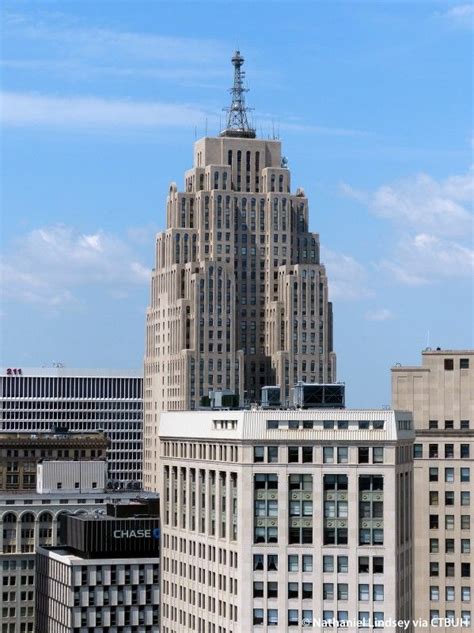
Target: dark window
(464,450)
(464,363)
(272,590)
(363,564)
(293,454)
(378,565)
(464,424)
(258,589)
(363,455)
(307,454)
(258,454)
(448,364)
(433,450)
(433,424)
(258,562)
(434,521)
(449,450)
(449,424)
(433,474)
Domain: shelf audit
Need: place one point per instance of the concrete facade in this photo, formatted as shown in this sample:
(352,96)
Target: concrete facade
(239,297)
(273,519)
(440,395)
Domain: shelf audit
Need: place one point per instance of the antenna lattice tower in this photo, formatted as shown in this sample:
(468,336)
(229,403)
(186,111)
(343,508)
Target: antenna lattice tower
(237,121)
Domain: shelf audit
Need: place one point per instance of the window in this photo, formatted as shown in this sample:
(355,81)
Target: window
(258,616)
(449,424)
(465,546)
(433,451)
(258,589)
(464,363)
(434,497)
(465,498)
(434,545)
(449,522)
(465,522)
(465,474)
(292,562)
(342,564)
(342,455)
(377,564)
(434,593)
(307,454)
(377,455)
(378,593)
(272,424)
(449,450)
(364,618)
(342,591)
(465,594)
(272,452)
(465,570)
(293,619)
(363,564)
(364,592)
(379,618)
(307,562)
(272,590)
(433,424)
(448,364)
(417,451)
(328,591)
(292,590)
(272,617)
(449,498)
(272,562)
(293,454)
(434,569)
(328,454)
(328,563)
(433,474)
(464,424)
(449,570)
(258,562)
(363,455)
(434,521)
(450,594)
(465,451)
(258,454)
(449,475)
(307,591)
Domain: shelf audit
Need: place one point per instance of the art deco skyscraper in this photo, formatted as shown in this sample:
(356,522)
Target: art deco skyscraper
(239,298)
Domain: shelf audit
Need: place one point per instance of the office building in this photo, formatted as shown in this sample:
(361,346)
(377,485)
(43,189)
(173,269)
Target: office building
(440,395)
(80,400)
(21,453)
(105,578)
(272,518)
(239,296)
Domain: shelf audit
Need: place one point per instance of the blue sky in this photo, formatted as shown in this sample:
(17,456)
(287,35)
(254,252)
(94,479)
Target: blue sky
(101,104)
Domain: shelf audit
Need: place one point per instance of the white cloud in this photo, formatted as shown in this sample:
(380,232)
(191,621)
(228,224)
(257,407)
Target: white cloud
(47,265)
(379,314)
(434,225)
(75,40)
(423,204)
(462,14)
(21,109)
(348,279)
(423,258)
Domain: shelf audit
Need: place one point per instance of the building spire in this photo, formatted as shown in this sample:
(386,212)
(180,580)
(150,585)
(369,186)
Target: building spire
(237,121)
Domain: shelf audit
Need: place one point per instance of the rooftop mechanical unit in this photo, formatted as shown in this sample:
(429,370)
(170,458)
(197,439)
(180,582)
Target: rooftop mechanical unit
(318,396)
(271,397)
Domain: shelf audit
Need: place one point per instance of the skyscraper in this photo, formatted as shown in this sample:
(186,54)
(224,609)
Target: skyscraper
(239,297)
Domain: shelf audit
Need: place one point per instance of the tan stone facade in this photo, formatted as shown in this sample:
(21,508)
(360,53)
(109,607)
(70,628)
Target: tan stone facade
(440,394)
(239,297)
(277,520)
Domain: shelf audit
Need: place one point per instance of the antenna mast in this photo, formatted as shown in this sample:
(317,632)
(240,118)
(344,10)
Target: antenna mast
(237,121)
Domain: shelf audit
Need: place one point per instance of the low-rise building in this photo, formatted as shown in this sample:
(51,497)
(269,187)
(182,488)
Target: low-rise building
(106,575)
